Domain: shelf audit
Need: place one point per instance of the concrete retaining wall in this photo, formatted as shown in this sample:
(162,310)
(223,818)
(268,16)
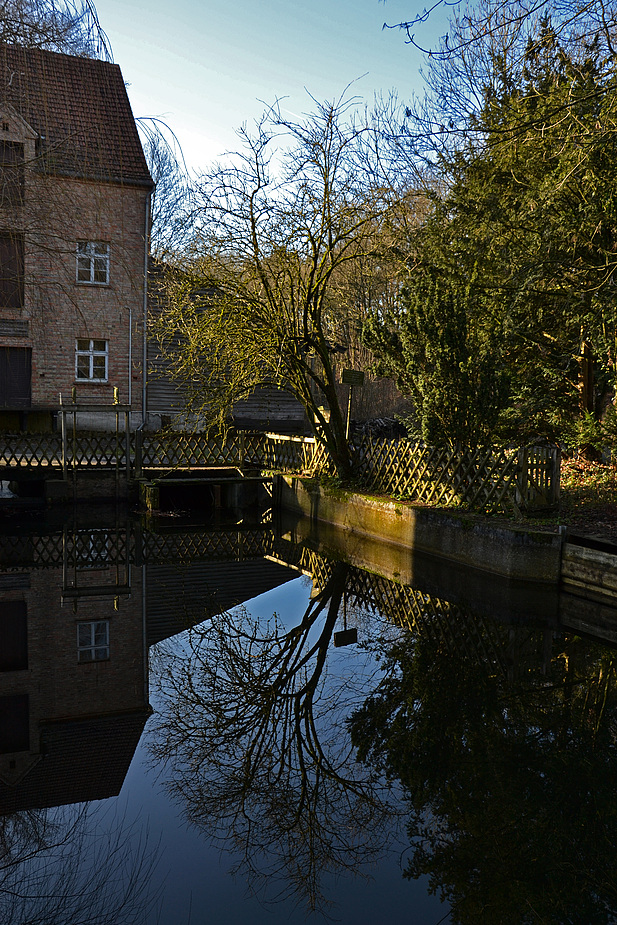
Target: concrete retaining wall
(507,551)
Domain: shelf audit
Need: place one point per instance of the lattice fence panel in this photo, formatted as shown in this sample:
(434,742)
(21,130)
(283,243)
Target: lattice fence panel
(186,450)
(254,449)
(95,449)
(486,478)
(32,451)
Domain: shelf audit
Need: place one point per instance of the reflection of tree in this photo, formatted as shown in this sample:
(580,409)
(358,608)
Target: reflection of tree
(254,734)
(74,865)
(513,784)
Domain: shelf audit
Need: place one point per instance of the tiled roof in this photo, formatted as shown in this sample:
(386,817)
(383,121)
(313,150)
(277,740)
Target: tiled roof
(81,760)
(80,110)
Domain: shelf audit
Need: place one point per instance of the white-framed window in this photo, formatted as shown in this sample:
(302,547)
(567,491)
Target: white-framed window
(93,263)
(93,641)
(91,359)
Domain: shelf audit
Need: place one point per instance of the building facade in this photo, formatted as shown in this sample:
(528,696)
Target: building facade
(74,214)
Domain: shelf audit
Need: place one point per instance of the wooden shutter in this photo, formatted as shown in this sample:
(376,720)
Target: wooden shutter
(11,270)
(13,636)
(14,724)
(11,174)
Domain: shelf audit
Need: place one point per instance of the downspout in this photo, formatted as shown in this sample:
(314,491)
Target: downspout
(129,390)
(144,373)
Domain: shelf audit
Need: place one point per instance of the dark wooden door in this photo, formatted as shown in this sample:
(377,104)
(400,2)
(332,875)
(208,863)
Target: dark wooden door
(15,377)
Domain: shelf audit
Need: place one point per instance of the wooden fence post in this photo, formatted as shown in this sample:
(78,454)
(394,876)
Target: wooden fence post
(521,478)
(138,453)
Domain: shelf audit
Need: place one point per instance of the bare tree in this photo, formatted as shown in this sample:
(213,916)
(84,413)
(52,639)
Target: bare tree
(75,864)
(472,23)
(256,301)
(257,752)
(170,212)
(485,48)
(70,26)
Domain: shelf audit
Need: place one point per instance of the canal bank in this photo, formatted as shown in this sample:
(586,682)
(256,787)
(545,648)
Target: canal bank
(584,567)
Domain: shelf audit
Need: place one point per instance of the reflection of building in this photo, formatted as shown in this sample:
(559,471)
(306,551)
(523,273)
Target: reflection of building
(74,625)
(190,577)
(73,686)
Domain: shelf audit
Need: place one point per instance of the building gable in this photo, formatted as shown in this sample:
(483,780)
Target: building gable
(79,110)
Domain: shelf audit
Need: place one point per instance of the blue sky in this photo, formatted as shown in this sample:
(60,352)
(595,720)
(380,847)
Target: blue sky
(205,66)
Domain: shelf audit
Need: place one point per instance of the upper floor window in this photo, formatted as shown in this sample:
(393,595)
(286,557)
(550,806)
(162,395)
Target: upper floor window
(93,262)
(91,360)
(93,641)
(11,174)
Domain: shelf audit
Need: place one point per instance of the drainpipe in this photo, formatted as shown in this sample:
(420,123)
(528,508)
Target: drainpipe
(144,371)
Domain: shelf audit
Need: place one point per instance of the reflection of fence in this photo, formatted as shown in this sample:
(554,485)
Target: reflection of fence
(506,650)
(232,545)
(104,548)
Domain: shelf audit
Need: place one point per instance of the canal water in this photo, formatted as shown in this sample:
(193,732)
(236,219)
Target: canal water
(237,721)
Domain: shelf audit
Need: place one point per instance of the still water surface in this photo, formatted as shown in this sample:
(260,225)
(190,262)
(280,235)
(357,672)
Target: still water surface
(183,741)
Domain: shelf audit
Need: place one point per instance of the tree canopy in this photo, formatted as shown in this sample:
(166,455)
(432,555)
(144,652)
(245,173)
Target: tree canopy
(526,211)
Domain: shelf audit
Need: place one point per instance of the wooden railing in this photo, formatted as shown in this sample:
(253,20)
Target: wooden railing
(525,478)
(494,478)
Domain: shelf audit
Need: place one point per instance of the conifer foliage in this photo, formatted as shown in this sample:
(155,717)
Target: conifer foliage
(525,205)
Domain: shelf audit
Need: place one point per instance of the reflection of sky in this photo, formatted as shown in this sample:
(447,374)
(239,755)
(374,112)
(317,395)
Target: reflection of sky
(197,887)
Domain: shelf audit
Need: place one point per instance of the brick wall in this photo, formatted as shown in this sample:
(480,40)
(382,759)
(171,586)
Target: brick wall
(59,212)
(57,685)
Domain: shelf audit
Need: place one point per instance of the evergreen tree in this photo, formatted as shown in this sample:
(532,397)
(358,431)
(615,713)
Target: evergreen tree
(529,213)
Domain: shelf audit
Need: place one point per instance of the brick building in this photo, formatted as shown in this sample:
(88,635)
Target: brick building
(74,202)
